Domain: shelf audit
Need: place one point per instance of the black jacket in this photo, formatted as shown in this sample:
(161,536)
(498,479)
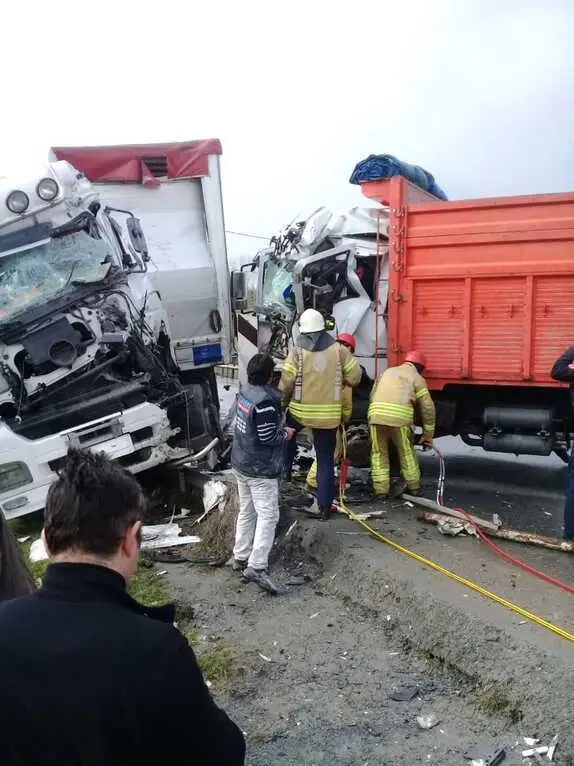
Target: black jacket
(259,435)
(90,677)
(561,370)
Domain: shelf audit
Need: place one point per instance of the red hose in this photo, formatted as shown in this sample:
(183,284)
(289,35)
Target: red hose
(536,572)
(512,560)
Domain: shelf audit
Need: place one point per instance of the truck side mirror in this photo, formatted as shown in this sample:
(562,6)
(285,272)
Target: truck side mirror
(238,290)
(137,237)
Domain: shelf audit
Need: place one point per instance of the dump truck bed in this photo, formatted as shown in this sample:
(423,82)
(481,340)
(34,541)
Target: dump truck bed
(485,288)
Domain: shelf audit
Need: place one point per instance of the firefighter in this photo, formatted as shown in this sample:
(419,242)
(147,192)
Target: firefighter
(314,374)
(563,371)
(391,415)
(347,340)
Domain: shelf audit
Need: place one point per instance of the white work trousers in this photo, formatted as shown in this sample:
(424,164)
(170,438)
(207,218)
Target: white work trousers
(257,519)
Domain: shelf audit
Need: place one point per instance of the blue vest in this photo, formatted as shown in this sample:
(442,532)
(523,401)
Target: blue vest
(248,455)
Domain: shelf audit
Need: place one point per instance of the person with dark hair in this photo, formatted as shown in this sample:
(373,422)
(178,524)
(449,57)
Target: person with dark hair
(257,460)
(89,675)
(15,577)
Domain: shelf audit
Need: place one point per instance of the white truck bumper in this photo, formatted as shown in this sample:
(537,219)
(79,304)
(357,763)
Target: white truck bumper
(29,466)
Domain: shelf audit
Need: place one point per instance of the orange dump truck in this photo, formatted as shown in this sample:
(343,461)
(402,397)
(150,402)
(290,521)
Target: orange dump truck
(485,288)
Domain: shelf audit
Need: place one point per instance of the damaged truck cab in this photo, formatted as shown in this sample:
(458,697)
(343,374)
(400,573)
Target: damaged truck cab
(484,288)
(109,335)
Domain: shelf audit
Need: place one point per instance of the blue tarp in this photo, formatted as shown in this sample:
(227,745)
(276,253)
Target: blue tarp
(379,166)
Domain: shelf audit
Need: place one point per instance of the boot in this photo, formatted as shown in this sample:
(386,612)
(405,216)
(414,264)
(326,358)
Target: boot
(325,514)
(261,578)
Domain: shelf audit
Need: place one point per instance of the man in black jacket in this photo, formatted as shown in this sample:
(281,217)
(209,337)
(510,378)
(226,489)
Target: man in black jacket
(257,458)
(563,371)
(87,674)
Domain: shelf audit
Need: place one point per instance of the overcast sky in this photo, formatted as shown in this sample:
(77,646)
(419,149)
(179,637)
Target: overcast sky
(479,92)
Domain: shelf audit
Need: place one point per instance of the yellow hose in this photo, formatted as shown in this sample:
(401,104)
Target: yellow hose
(438,568)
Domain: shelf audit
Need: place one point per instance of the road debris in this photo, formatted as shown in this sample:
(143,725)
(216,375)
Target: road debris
(485,755)
(503,533)
(552,747)
(153,537)
(264,657)
(538,750)
(297,580)
(427,721)
(495,524)
(451,528)
(404,693)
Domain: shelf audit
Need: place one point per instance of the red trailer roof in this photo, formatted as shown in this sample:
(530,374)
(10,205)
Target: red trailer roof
(141,163)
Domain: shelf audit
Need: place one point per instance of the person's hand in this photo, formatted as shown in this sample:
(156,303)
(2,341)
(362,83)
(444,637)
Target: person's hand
(289,433)
(426,441)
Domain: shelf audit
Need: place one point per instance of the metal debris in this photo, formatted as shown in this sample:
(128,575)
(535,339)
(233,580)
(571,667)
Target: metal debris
(531,751)
(552,747)
(404,693)
(297,580)
(427,721)
(453,528)
(291,528)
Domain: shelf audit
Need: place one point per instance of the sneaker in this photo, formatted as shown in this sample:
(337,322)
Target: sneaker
(260,577)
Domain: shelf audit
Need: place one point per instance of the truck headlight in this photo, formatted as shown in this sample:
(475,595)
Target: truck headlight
(47,189)
(14,475)
(17,201)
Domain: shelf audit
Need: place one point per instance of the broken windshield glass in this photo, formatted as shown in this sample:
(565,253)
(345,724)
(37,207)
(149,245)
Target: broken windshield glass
(277,278)
(39,272)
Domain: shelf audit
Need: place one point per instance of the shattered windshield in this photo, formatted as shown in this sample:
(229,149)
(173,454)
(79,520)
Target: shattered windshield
(277,279)
(45,269)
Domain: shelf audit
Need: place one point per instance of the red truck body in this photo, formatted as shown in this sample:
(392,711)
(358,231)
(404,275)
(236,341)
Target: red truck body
(485,288)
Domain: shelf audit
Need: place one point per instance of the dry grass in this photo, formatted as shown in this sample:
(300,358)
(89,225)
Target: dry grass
(217,532)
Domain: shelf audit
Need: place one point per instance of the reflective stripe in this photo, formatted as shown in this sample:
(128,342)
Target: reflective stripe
(391,414)
(316,411)
(408,460)
(421,393)
(349,366)
(380,469)
(290,369)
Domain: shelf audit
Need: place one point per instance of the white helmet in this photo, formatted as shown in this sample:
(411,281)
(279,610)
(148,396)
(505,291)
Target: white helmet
(311,320)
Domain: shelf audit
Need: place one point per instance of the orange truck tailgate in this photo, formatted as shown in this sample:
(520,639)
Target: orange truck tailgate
(485,288)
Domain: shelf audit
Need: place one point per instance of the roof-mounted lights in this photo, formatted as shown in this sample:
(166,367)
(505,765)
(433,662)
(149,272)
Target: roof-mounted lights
(47,189)
(17,202)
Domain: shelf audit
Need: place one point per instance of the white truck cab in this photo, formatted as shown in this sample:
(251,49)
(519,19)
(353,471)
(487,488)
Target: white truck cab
(109,336)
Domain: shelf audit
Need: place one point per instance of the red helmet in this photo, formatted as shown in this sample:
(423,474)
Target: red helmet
(416,357)
(347,339)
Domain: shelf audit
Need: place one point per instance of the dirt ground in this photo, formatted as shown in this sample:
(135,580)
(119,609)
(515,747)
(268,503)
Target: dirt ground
(313,673)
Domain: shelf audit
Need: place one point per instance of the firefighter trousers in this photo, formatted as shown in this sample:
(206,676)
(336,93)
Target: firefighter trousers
(312,475)
(401,438)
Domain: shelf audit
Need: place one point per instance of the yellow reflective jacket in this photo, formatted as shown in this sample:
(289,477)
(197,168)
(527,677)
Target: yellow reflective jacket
(394,396)
(346,404)
(314,378)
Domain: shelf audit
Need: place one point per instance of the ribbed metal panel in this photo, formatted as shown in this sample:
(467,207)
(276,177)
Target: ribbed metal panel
(438,325)
(498,328)
(553,321)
